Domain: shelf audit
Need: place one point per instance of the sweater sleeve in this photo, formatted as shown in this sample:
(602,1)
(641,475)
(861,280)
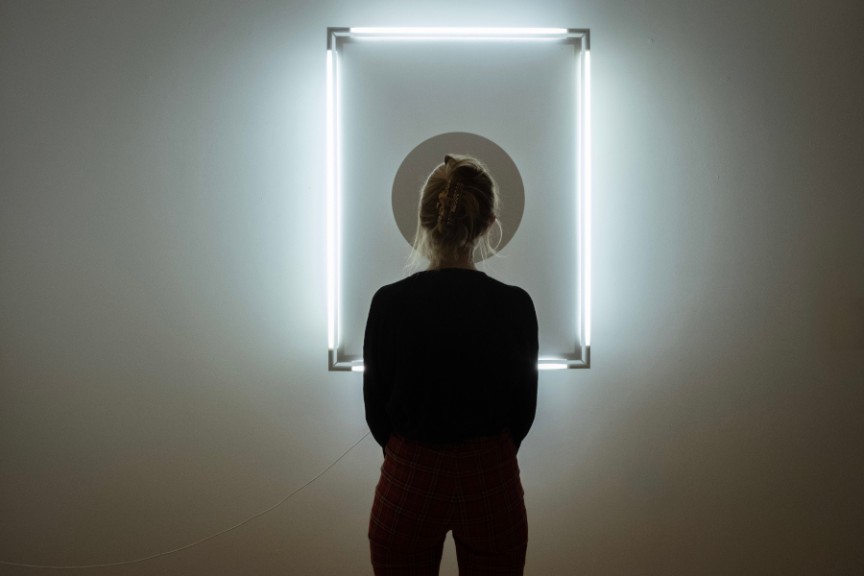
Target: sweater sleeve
(377,383)
(525,397)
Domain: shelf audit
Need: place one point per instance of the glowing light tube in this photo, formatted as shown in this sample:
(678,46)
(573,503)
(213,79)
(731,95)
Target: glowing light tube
(587,188)
(552,366)
(331,203)
(462,32)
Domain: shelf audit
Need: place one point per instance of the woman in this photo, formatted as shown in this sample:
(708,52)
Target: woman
(450,388)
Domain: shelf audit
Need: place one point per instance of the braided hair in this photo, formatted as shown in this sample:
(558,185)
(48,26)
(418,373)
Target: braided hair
(458,204)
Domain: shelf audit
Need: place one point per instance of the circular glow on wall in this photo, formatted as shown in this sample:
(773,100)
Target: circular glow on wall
(420,161)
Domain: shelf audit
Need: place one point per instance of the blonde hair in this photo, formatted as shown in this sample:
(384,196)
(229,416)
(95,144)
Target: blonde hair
(458,206)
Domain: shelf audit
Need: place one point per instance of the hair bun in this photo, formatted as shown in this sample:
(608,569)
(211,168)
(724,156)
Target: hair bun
(458,204)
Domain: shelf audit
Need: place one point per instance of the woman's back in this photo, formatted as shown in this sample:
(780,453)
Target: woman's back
(455,353)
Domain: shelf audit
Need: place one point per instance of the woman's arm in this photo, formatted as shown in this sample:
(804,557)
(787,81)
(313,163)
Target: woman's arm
(376,384)
(525,396)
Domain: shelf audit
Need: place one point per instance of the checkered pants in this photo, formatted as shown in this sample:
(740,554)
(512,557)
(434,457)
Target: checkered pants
(425,491)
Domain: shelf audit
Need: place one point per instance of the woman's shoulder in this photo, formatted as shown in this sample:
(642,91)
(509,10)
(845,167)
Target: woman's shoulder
(509,290)
(397,286)
(451,280)
(392,292)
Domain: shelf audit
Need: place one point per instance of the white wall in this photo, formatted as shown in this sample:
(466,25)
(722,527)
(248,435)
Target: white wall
(162,293)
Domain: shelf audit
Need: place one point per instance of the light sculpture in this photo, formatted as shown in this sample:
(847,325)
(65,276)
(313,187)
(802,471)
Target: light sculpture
(338,359)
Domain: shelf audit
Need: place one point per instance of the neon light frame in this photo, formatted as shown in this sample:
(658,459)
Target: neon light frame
(336,37)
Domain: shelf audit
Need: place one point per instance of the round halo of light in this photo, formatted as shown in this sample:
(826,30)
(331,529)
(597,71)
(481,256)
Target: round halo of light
(424,157)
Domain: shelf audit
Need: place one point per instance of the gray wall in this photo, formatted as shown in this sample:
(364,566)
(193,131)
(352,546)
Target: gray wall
(163,313)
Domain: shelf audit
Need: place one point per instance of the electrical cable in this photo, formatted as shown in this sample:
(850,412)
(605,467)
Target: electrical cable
(197,542)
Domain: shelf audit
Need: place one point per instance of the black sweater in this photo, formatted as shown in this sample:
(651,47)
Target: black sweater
(450,355)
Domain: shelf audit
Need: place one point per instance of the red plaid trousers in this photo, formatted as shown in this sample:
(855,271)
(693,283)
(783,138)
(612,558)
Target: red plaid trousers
(472,488)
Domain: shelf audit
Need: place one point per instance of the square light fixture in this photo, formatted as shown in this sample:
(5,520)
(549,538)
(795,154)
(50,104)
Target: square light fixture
(526,89)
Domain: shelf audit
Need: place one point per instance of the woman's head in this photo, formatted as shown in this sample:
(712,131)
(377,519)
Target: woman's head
(458,205)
